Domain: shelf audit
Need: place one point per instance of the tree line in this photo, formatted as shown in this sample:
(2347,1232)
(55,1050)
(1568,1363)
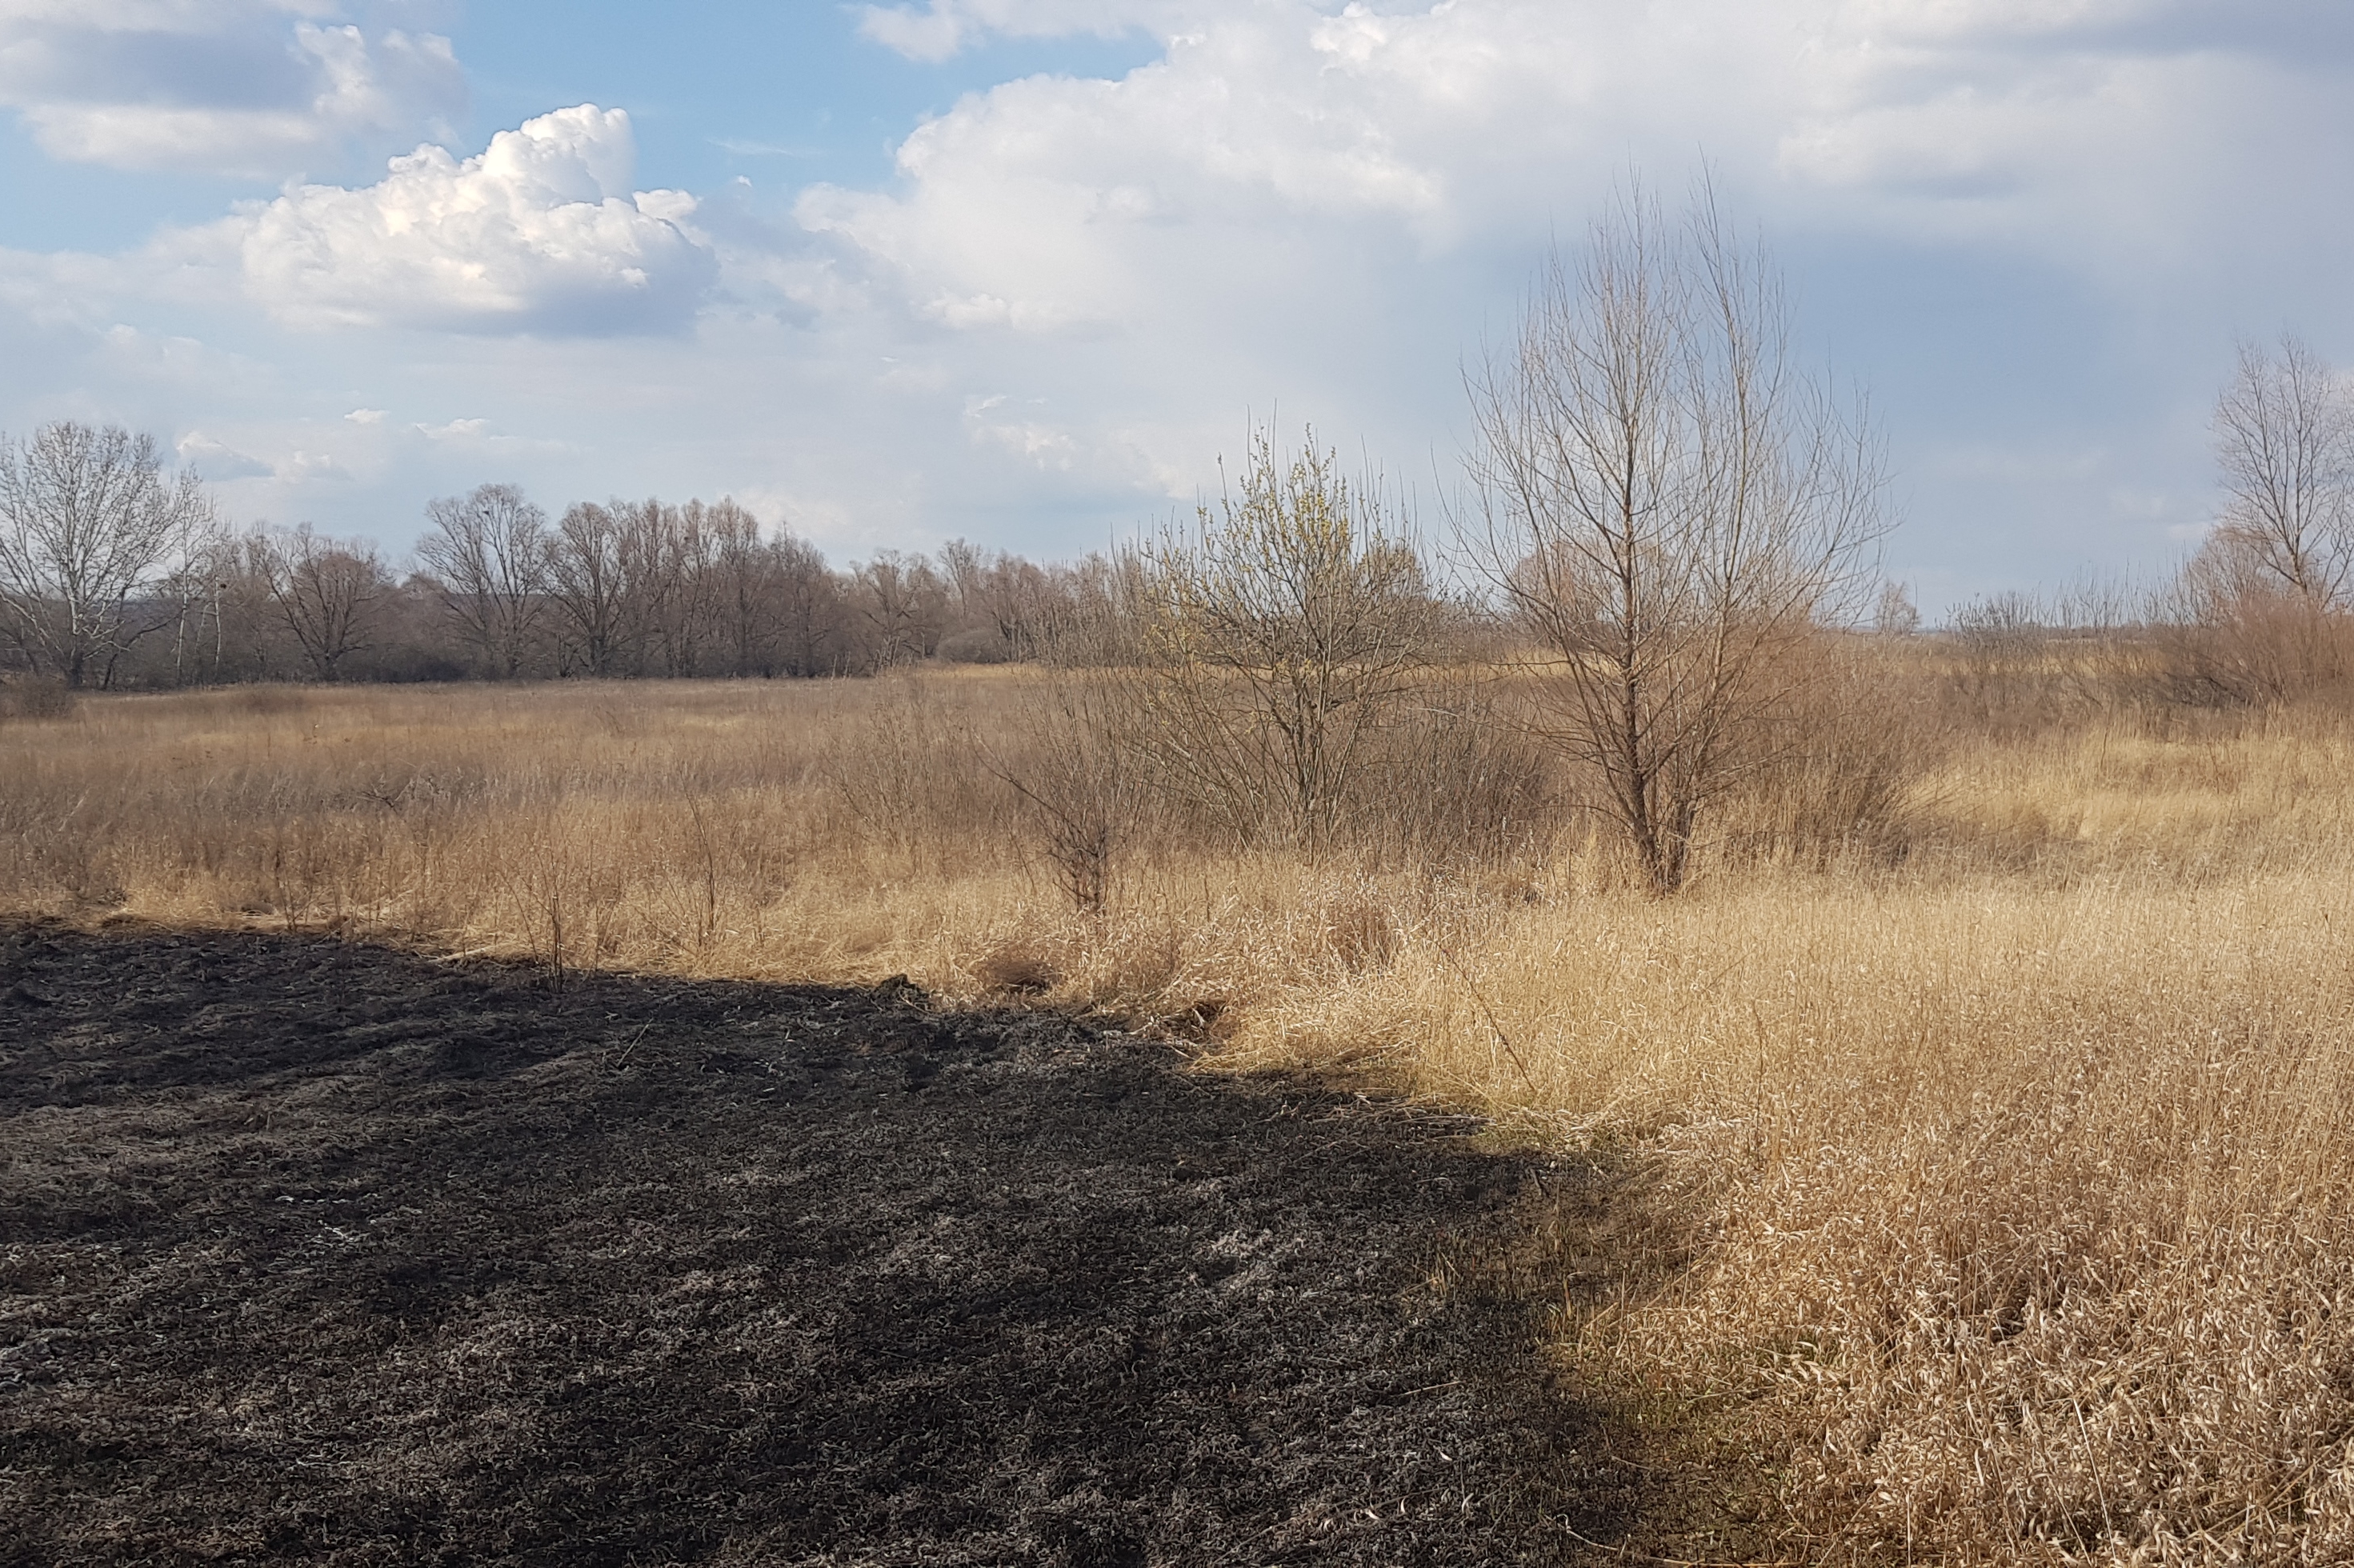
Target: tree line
(115,574)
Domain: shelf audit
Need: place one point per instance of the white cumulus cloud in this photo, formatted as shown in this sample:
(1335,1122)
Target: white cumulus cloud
(2124,140)
(249,88)
(539,233)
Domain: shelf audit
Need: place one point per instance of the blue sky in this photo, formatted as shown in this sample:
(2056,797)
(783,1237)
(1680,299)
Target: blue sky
(1020,271)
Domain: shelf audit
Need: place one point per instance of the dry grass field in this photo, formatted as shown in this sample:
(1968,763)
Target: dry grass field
(2008,1154)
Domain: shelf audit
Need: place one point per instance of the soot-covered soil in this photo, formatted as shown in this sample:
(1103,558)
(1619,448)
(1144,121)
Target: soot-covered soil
(321,1252)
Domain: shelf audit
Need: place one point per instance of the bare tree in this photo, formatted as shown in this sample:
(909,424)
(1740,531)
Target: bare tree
(589,588)
(903,604)
(2284,440)
(1278,634)
(669,583)
(89,524)
(225,628)
(489,550)
(1670,505)
(2260,612)
(1893,613)
(967,571)
(677,557)
(811,621)
(748,588)
(326,592)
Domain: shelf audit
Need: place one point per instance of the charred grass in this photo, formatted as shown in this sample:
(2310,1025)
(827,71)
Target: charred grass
(317,1250)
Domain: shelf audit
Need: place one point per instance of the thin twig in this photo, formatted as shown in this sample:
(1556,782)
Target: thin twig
(1480,997)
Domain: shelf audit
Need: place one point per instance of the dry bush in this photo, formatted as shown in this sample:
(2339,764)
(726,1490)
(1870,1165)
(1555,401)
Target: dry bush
(2016,666)
(1842,772)
(1073,764)
(35,697)
(1455,781)
(2232,638)
(912,772)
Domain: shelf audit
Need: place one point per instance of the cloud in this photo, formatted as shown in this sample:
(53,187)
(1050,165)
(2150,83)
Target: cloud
(248,87)
(216,462)
(944,28)
(539,233)
(1283,159)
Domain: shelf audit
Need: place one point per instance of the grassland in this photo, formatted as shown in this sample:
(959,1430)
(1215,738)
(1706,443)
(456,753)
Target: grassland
(2006,1151)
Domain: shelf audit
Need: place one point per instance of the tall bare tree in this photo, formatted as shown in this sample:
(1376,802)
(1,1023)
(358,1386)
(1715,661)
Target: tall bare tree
(693,628)
(902,604)
(1669,505)
(589,590)
(668,584)
(1279,632)
(2260,613)
(746,590)
(2285,442)
(489,551)
(812,622)
(89,525)
(324,592)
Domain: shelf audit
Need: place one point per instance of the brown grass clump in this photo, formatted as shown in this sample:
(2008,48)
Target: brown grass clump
(1997,1074)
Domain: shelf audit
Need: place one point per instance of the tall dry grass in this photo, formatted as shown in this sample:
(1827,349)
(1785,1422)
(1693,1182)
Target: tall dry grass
(2003,1106)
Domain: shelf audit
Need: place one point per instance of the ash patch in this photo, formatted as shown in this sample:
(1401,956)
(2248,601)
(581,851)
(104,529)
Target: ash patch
(323,1252)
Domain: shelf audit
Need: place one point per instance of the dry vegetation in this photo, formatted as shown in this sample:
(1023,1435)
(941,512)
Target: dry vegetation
(1994,1067)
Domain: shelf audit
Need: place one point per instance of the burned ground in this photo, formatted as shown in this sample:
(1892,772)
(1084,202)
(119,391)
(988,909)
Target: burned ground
(323,1252)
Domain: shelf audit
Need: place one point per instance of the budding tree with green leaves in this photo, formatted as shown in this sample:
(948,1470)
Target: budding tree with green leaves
(1279,633)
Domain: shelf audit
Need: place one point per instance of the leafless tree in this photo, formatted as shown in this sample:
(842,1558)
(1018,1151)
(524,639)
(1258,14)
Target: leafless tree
(811,622)
(690,624)
(2260,613)
(1669,505)
(1022,602)
(324,592)
(648,577)
(2285,442)
(589,590)
(1893,613)
(967,571)
(903,607)
(668,584)
(223,621)
(90,525)
(489,550)
(743,589)
(1278,633)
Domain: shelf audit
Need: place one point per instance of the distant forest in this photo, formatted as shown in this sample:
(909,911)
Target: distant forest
(123,581)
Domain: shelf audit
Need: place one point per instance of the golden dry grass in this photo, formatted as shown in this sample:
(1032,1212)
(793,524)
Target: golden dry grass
(2019,1173)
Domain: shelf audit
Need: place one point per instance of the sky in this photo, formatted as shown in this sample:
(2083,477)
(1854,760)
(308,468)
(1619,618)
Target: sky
(1021,271)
